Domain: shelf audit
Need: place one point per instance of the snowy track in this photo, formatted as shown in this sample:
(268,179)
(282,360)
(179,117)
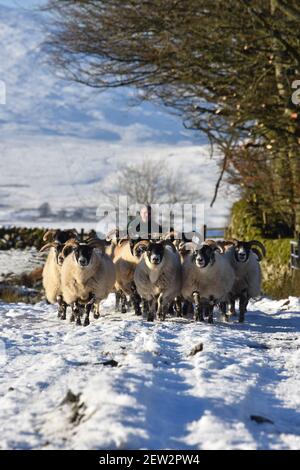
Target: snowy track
(134,384)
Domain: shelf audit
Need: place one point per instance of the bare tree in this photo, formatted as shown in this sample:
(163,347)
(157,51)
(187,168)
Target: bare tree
(151,182)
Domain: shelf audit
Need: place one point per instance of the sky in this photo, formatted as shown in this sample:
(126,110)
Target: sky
(20,3)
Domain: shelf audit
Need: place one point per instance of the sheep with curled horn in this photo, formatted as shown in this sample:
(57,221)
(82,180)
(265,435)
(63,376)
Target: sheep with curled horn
(158,276)
(127,255)
(244,257)
(56,240)
(207,278)
(88,276)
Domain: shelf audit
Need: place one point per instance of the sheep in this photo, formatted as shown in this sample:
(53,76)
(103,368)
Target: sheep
(56,240)
(207,278)
(244,258)
(158,276)
(127,255)
(87,276)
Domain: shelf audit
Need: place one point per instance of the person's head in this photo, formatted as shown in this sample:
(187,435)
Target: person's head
(145,213)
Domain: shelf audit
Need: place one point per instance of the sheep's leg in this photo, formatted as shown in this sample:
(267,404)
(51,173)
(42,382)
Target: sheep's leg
(118,300)
(198,313)
(185,308)
(88,307)
(171,308)
(243,302)
(136,299)
(76,313)
(62,308)
(178,306)
(145,307)
(232,305)
(152,310)
(211,305)
(123,302)
(96,311)
(161,313)
(223,308)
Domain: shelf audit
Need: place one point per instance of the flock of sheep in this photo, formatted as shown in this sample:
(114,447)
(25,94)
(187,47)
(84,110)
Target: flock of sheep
(160,276)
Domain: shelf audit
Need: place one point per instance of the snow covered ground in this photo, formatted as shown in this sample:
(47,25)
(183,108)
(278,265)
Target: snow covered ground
(128,384)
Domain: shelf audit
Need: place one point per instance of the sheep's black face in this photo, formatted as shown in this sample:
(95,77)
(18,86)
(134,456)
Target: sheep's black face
(242,252)
(155,253)
(203,256)
(83,254)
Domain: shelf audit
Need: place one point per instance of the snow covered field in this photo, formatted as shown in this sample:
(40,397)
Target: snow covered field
(128,384)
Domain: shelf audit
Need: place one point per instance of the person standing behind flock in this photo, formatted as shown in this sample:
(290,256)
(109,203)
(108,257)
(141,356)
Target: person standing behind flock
(144,227)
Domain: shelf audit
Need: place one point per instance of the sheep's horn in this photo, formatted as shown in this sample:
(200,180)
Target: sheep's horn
(110,234)
(47,246)
(260,245)
(172,235)
(48,234)
(258,253)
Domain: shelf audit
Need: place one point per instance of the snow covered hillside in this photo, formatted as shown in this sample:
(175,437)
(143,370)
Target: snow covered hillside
(128,384)
(60,142)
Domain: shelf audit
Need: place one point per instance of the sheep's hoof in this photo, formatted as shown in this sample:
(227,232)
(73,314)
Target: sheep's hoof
(123,310)
(226,318)
(96,316)
(86,322)
(199,318)
(72,318)
(150,318)
(78,321)
(210,320)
